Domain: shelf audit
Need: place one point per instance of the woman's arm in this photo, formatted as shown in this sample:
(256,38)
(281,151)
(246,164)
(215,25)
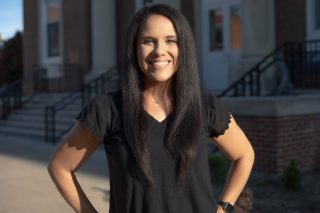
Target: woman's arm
(235,145)
(75,149)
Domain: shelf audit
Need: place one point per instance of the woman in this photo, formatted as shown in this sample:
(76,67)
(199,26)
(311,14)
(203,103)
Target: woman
(155,129)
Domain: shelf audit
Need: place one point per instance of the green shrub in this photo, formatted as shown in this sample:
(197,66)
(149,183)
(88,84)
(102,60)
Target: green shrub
(11,60)
(292,176)
(219,166)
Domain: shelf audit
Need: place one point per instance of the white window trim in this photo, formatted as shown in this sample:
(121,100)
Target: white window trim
(312,33)
(44,59)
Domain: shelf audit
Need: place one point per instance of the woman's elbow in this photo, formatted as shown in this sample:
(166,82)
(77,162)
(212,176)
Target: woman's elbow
(250,155)
(52,168)
(247,156)
(55,168)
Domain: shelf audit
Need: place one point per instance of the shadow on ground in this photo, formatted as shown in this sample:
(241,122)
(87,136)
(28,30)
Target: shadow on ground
(35,149)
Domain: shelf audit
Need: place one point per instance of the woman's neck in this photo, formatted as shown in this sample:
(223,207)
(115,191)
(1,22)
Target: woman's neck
(158,96)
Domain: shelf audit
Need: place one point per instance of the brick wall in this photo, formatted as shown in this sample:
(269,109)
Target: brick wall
(30,39)
(277,140)
(77,32)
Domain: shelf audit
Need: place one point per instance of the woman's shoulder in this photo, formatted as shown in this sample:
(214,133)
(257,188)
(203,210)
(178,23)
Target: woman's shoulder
(114,96)
(104,104)
(108,98)
(216,114)
(208,99)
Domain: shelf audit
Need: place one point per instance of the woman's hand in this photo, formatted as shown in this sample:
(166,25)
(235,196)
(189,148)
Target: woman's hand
(220,210)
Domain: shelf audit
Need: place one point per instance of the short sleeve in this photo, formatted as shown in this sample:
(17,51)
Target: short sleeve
(94,117)
(217,116)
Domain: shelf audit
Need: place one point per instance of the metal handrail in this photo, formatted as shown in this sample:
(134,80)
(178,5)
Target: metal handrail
(249,84)
(18,93)
(85,94)
(11,95)
(254,86)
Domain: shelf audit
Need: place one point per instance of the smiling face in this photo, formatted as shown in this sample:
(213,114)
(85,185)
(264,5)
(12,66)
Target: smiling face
(157,49)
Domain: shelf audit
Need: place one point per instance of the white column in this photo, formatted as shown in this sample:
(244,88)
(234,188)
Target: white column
(103,37)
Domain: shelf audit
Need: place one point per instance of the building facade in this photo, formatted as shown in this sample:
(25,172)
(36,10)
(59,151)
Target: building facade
(75,41)
(86,38)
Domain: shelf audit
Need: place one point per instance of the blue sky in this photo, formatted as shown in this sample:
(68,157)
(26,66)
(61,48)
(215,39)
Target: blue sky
(10,17)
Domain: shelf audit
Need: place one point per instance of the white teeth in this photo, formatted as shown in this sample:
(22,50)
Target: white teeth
(160,63)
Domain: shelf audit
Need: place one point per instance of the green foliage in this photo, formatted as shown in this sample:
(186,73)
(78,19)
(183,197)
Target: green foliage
(11,60)
(219,166)
(292,176)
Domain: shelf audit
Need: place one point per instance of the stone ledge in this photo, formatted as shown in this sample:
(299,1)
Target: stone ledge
(274,106)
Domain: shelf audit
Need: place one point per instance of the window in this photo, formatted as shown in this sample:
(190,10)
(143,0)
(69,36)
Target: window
(145,2)
(235,27)
(317,14)
(53,27)
(216,29)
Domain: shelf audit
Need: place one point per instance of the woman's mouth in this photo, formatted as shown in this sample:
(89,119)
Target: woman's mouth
(159,64)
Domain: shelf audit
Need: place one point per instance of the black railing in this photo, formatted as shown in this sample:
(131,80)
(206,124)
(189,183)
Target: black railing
(301,59)
(10,99)
(87,92)
(49,78)
(303,62)
(17,93)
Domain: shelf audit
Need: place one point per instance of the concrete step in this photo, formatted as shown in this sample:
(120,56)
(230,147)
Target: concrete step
(29,131)
(39,110)
(29,117)
(21,131)
(29,121)
(27,124)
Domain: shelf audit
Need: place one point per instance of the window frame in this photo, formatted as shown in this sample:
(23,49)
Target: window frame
(53,33)
(312,31)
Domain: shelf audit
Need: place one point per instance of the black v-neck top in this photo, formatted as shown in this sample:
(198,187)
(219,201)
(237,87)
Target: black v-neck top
(128,191)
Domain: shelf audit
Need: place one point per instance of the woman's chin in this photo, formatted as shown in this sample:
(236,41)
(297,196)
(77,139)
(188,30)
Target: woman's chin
(159,79)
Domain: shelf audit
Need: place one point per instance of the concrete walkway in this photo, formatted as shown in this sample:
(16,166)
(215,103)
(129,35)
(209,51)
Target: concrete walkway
(25,185)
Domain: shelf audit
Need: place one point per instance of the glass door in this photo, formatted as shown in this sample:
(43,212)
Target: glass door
(221,42)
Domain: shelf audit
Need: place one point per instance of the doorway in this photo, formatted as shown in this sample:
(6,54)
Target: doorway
(221,42)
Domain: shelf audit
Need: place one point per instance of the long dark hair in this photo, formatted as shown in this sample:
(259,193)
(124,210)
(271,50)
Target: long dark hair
(183,129)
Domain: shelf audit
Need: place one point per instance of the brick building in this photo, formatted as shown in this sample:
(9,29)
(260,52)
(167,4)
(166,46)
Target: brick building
(231,35)
(82,39)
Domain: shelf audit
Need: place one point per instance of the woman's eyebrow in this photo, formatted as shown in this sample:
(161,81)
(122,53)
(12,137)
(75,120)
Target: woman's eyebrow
(151,37)
(147,37)
(171,36)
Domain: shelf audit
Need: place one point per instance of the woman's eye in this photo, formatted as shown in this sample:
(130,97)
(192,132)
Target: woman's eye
(171,41)
(149,42)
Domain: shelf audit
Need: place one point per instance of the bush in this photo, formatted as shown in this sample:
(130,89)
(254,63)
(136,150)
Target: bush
(244,203)
(11,60)
(292,176)
(219,166)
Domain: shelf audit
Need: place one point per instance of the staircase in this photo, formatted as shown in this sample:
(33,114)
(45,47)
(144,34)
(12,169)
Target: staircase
(29,121)
(54,114)
(50,115)
(301,61)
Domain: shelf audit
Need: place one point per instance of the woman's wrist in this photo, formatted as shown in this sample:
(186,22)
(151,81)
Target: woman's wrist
(225,206)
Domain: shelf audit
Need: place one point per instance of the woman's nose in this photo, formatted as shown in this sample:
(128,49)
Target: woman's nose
(160,49)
